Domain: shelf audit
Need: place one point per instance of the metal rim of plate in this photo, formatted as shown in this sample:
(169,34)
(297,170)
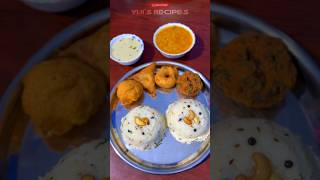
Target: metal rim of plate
(69,33)
(140,166)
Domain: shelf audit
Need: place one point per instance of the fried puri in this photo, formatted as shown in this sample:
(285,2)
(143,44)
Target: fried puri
(166,77)
(146,78)
(254,70)
(189,84)
(129,91)
(60,94)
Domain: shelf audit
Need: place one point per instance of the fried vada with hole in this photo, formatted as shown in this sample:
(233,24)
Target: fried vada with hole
(189,84)
(129,91)
(59,94)
(166,77)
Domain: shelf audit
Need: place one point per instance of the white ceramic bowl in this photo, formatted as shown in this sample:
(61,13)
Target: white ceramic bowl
(123,36)
(53,5)
(174,56)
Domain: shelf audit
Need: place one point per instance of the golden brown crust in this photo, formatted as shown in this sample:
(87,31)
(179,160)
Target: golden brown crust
(146,78)
(92,50)
(129,91)
(166,77)
(254,70)
(61,93)
(189,84)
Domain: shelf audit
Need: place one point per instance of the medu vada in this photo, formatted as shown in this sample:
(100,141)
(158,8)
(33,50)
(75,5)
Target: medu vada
(166,77)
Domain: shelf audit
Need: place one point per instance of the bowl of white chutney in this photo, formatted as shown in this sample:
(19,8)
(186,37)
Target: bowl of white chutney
(126,49)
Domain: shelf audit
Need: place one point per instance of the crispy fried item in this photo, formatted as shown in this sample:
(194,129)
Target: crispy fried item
(189,84)
(146,78)
(92,49)
(166,77)
(254,70)
(129,91)
(61,93)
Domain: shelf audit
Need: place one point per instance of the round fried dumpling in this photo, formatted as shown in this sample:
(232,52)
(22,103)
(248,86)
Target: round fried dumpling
(188,120)
(143,128)
(129,91)
(254,70)
(61,93)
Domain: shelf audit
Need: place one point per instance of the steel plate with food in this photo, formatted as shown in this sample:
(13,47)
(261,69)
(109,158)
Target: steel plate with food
(54,112)
(146,127)
(265,94)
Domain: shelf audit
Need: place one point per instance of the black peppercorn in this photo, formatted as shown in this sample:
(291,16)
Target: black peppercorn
(252,141)
(195,130)
(288,164)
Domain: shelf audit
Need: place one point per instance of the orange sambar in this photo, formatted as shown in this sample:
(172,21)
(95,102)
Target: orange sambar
(174,39)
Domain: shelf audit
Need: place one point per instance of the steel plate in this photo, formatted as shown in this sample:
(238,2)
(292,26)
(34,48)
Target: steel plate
(171,156)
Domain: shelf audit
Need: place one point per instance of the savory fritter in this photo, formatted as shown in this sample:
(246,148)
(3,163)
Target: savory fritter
(166,77)
(254,70)
(189,84)
(146,78)
(61,93)
(92,49)
(129,91)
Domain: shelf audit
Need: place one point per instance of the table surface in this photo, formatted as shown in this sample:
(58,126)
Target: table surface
(24,30)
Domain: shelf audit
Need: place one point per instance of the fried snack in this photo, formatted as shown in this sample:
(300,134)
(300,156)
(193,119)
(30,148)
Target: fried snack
(254,70)
(189,84)
(61,93)
(146,78)
(92,50)
(166,77)
(129,91)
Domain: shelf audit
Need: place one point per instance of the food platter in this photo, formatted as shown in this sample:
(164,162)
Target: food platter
(300,111)
(160,160)
(34,158)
